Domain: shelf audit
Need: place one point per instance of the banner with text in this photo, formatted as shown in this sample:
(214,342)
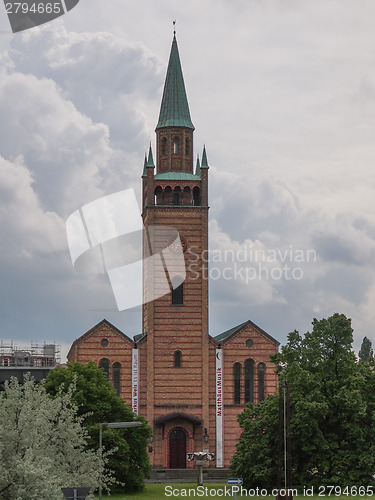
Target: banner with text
(135,378)
(219,409)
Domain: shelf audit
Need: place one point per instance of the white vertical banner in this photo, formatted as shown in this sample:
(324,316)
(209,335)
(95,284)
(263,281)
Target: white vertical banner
(135,379)
(219,409)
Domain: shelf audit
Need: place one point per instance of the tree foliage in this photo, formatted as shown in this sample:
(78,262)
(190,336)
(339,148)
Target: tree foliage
(366,352)
(43,444)
(96,398)
(332,413)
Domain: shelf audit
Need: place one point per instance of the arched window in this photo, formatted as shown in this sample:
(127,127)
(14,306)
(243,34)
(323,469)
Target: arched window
(177,291)
(237,383)
(261,370)
(117,377)
(176,195)
(249,381)
(176,145)
(187,146)
(197,196)
(104,364)
(167,197)
(177,359)
(164,146)
(186,196)
(158,195)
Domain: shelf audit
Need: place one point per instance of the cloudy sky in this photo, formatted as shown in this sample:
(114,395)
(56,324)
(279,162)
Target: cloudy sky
(282,92)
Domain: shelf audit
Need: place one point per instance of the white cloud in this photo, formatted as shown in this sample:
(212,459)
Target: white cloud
(282,93)
(25,227)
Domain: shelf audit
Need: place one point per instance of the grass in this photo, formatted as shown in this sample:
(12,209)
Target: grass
(156,491)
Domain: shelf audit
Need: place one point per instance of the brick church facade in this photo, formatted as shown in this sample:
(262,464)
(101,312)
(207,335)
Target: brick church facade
(189,385)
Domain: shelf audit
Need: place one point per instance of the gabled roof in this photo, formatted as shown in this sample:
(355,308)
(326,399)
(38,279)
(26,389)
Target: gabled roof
(225,336)
(104,322)
(139,337)
(174,110)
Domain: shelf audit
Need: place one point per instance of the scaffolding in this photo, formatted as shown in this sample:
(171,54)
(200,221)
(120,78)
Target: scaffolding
(34,355)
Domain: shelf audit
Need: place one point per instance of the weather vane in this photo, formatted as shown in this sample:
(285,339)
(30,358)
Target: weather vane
(174,27)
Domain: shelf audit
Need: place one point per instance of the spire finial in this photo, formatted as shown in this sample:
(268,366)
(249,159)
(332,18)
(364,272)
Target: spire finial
(174,27)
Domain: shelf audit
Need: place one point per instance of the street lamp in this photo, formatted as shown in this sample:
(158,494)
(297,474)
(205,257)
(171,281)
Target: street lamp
(113,425)
(205,437)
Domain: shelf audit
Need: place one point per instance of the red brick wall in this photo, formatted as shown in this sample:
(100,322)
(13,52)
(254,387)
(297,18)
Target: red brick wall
(119,349)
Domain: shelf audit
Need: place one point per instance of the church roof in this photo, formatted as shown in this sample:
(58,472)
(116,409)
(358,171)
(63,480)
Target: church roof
(229,332)
(103,323)
(177,176)
(174,111)
(222,337)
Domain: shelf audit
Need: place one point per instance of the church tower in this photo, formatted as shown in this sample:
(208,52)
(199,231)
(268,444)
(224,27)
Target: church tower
(174,387)
(188,385)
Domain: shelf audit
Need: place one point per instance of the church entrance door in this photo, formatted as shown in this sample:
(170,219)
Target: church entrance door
(177,449)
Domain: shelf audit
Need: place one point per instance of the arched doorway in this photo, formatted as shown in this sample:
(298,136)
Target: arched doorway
(177,449)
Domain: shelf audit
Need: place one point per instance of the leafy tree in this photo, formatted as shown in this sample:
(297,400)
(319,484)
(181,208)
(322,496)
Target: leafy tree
(96,398)
(332,413)
(43,444)
(366,352)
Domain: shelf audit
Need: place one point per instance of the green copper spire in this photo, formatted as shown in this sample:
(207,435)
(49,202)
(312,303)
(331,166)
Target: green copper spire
(204,158)
(144,167)
(150,161)
(174,111)
(198,167)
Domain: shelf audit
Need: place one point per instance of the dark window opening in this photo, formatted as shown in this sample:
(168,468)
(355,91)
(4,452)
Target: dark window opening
(167,197)
(197,196)
(104,365)
(176,145)
(164,146)
(177,291)
(176,196)
(187,199)
(177,359)
(249,381)
(237,383)
(187,146)
(158,195)
(261,370)
(117,377)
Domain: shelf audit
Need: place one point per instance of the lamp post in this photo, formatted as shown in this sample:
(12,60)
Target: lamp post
(199,457)
(113,425)
(205,437)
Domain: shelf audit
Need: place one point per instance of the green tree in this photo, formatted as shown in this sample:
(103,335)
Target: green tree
(332,413)
(96,398)
(366,352)
(43,444)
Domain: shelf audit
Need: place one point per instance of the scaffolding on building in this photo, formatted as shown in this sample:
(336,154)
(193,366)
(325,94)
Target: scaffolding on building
(34,355)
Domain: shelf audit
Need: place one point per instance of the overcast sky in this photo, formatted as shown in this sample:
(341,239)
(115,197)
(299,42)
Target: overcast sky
(282,92)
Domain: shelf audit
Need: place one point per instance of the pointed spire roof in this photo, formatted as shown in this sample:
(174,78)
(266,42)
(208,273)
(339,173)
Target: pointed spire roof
(198,167)
(144,167)
(174,111)
(150,161)
(204,158)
